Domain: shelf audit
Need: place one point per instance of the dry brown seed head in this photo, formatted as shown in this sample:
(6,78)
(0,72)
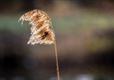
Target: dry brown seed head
(41,31)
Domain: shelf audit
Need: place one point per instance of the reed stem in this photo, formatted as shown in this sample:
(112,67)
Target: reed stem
(57,61)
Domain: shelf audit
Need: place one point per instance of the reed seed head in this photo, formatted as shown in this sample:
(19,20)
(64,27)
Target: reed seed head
(41,27)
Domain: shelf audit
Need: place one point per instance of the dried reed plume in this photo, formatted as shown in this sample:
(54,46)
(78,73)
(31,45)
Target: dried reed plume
(41,30)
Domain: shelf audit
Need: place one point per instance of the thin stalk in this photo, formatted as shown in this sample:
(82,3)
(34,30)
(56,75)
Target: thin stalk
(57,61)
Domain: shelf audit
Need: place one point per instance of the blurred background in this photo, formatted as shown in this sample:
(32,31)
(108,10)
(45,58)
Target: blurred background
(85,41)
